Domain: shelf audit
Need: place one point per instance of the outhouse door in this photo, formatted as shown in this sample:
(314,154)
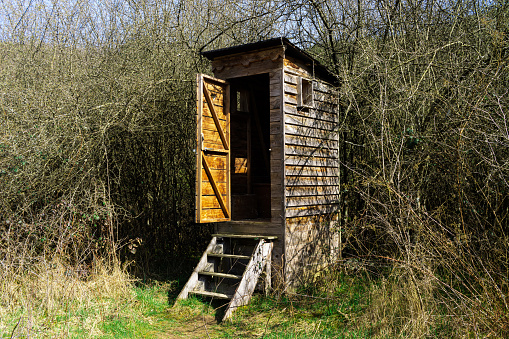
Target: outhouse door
(213,188)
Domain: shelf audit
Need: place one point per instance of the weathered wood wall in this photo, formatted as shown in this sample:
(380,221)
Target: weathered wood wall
(259,62)
(304,164)
(311,169)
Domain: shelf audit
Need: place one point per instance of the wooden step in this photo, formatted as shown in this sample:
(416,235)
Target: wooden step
(212,294)
(209,267)
(229,256)
(217,249)
(221,275)
(239,291)
(246,236)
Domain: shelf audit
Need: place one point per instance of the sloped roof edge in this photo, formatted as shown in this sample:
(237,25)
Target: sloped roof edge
(291,50)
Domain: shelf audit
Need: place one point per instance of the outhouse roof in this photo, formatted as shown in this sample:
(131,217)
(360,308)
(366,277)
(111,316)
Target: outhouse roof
(291,50)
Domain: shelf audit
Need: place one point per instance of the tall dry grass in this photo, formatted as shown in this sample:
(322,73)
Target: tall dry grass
(54,299)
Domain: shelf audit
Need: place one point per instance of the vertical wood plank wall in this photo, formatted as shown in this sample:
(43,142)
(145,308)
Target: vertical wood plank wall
(311,169)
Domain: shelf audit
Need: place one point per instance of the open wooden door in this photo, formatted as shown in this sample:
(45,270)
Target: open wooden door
(213,194)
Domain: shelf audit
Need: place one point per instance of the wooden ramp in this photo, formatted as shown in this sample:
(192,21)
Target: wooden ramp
(230,268)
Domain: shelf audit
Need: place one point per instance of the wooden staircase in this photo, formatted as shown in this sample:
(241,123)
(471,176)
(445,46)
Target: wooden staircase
(230,268)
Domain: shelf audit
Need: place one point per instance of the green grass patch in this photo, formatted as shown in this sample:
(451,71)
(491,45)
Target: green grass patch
(311,312)
(343,307)
(149,314)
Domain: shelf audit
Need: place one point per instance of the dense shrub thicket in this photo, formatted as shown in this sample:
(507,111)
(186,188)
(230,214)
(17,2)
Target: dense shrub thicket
(96,152)
(425,156)
(98,127)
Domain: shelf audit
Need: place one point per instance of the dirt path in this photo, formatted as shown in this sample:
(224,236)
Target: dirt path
(202,326)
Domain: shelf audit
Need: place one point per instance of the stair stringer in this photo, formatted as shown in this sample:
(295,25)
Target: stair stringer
(243,293)
(193,280)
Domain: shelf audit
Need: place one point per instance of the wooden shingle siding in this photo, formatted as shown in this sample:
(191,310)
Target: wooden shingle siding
(298,140)
(311,147)
(324,172)
(307,159)
(323,115)
(310,180)
(310,132)
(301,120)
(315,200)
(309,211)
(312,190)
(247,64)
(311,165)
(318,151)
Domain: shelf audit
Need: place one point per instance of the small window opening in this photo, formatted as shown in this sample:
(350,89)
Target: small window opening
(240,165)
(242,100)
(305,93)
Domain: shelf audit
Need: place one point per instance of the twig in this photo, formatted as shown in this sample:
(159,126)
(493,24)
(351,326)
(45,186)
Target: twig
(15,327)
(205,324)
(310,296)
(267,323)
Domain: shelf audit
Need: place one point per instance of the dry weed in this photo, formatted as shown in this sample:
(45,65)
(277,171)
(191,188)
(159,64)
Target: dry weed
(401,306)
(52,297)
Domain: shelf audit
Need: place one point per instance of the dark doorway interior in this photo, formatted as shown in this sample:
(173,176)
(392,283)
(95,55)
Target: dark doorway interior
(250,147)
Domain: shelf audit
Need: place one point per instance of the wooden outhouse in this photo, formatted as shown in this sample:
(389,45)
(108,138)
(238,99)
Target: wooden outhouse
(267,167)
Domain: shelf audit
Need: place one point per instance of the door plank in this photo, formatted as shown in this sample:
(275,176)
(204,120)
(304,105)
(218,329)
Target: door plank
(214,116)
(215,188)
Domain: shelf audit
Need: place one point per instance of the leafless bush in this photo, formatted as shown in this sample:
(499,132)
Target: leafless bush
(425,149)
(97,115)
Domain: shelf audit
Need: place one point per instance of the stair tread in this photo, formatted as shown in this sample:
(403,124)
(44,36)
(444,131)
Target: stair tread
(212,294)
(233,256)
(221,275)
(246,236)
